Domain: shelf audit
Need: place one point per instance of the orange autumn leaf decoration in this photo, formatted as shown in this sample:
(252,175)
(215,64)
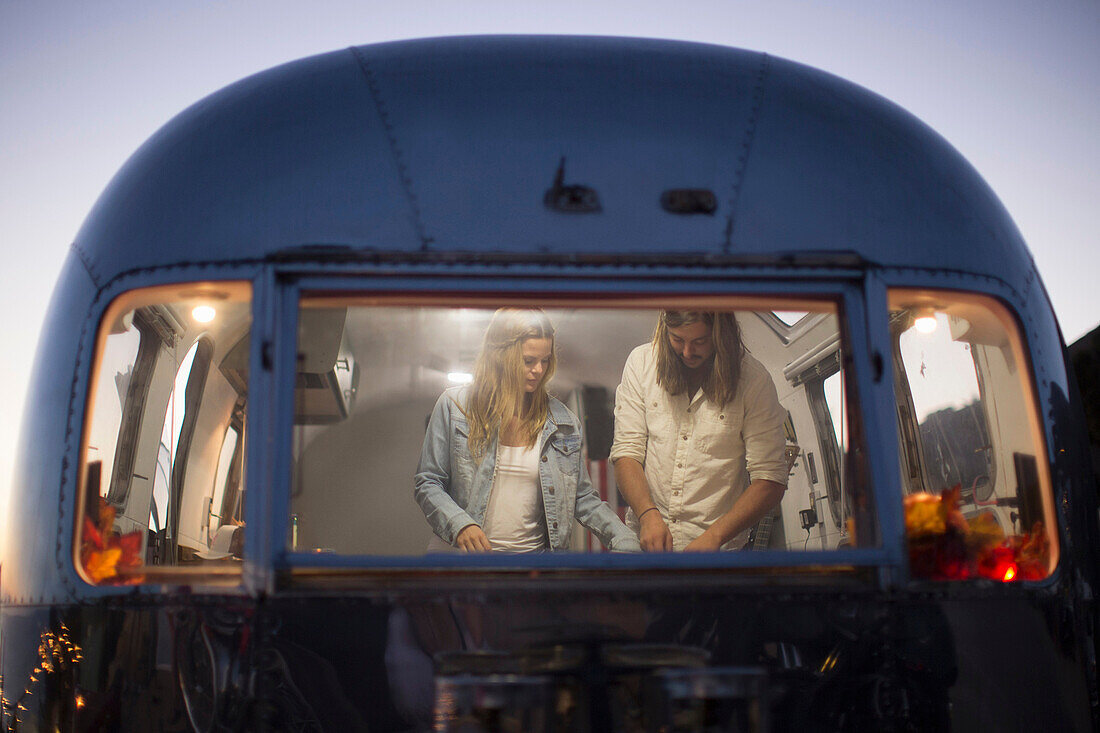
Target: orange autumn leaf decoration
(101,564)
(103,551)
(1032,552)
(945,545)
(927,514)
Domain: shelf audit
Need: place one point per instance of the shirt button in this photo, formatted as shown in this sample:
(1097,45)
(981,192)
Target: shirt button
(679,465)
(551,489)
(544,459)
(685,437)
(654,404)
(555,525)
(721,417)
(673,520)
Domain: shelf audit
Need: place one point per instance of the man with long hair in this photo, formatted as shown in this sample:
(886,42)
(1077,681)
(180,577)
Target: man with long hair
(699,439)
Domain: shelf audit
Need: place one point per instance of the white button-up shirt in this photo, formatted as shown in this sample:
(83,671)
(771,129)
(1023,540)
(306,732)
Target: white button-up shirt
(695,453)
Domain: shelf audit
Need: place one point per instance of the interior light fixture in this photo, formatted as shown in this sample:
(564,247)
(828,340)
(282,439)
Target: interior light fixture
(925,320)
(466,314)
(203,313)
(460,377)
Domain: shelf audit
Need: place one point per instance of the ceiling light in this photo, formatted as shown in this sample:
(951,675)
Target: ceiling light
(203,313)
(925,320)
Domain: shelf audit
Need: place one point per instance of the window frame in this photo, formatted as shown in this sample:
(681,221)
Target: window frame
(831,456)
(241,286)
(1000,306)
(848,293)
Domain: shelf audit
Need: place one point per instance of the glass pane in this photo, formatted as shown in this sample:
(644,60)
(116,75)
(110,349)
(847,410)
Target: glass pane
(177,408)
(948,407)
(171,379)
(116,371)
(221,479)
(834,398)
(397,449)
(979,502)
(158,511)
(790,317)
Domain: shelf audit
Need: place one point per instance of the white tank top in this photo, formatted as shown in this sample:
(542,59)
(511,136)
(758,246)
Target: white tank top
(514,518)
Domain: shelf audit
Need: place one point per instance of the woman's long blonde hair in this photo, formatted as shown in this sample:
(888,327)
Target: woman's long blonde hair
(497,392)
(720,385)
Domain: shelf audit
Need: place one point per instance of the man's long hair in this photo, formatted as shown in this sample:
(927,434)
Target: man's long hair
(497,393)
(720,386)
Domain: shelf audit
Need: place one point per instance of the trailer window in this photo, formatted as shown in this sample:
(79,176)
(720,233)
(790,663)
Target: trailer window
(164,437)
(385,450)
(978,500)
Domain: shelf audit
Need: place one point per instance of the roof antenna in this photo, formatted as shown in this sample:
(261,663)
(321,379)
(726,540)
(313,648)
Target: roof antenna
(571,199)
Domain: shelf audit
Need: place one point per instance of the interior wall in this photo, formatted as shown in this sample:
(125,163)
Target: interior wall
(775,355)
(354,492)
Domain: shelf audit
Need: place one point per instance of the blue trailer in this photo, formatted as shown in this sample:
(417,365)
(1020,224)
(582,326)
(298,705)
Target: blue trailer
(212,524)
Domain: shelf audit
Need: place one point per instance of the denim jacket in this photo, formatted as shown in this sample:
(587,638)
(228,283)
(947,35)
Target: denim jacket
(453,491)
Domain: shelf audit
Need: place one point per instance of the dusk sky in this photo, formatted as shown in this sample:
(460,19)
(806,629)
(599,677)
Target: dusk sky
(1014,85)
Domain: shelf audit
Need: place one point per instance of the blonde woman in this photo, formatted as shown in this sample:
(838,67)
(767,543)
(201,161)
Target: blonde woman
(501,468)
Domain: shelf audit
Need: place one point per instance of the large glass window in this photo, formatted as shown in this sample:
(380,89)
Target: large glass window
(978,500)
(161,473)
(390,456)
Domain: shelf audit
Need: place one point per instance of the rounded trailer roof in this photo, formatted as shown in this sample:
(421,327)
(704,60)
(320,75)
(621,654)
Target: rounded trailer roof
(452,144)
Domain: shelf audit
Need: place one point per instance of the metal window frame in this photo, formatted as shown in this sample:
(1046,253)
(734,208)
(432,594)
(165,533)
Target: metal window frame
(277,297)
(158,579)
(1017,311)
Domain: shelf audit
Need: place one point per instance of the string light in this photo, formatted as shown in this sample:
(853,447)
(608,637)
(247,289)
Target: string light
(56,653)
